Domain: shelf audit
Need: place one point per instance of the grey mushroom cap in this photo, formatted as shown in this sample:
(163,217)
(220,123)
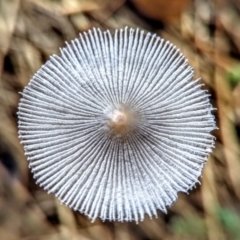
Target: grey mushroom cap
(116,126)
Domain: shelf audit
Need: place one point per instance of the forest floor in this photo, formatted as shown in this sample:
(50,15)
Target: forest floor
(207,32)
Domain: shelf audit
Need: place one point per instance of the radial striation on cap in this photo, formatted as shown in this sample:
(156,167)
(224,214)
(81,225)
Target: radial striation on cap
(116,126)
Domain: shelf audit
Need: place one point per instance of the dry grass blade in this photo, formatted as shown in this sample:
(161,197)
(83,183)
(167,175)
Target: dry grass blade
(210,203)
(227,129)
(8,16)
(66,8)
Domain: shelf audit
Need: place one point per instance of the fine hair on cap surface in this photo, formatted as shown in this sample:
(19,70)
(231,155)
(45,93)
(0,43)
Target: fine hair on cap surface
(116,126)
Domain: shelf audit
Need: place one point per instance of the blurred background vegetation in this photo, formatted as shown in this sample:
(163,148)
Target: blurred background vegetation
(206,31)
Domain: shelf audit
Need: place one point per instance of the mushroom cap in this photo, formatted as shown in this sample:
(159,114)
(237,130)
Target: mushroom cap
(116,126)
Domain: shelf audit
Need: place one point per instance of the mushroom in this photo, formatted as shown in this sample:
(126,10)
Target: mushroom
(116,126)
